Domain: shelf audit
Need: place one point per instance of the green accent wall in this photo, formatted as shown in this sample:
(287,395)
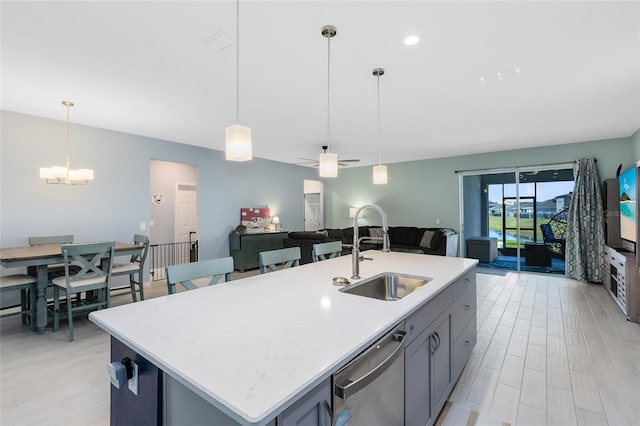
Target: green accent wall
(420,192)
(635,143)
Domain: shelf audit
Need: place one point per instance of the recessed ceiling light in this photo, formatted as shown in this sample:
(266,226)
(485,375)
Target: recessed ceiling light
(412,40)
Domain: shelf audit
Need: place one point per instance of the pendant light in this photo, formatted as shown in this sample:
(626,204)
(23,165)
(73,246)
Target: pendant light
(328,164)
(237,137)
(379,171)
(64,175)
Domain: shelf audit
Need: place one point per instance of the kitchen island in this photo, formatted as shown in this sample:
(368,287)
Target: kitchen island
(251,348)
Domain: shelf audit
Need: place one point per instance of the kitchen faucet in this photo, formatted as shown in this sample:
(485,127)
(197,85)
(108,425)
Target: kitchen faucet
(355,251)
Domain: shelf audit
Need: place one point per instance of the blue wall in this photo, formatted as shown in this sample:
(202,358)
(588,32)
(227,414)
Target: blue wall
(420,192)
(118,200)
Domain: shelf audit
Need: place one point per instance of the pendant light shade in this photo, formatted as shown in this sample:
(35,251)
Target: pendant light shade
(65,175)
(238,143)
(379,171)
(328,164)
(380,175)
(237,137)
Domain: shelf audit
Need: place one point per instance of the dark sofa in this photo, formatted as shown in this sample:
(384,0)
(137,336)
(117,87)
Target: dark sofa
(438,241)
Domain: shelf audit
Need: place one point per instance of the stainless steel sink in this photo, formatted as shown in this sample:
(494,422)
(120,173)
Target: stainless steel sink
(387,286)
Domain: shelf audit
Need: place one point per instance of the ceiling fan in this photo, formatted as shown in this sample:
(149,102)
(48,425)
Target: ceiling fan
(315,163)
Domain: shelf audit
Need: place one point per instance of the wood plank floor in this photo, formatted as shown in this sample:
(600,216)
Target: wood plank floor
(550,351)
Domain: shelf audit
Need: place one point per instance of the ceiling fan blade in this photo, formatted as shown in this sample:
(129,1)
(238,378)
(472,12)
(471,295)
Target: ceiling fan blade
(308,159)
(349,161)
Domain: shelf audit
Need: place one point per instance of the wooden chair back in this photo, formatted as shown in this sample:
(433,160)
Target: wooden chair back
(269,260)
(94,260)
(93,263)
(324,251)
(56,239)
(185,273)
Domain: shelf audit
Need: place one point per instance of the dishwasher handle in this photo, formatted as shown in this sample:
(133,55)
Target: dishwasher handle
(354,386)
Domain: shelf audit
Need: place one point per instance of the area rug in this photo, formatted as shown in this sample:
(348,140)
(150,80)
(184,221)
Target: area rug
(509,263)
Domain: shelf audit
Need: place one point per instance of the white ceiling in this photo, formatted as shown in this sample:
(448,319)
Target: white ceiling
(146,68)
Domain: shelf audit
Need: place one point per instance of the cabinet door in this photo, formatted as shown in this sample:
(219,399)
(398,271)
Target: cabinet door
(441,365)
(313,409)
(417,379)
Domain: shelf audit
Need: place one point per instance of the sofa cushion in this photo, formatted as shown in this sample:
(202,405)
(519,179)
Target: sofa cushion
(405,236)
(307,235)
(437,238)
(426,239)
(347,235)
(376,232)
(334,234)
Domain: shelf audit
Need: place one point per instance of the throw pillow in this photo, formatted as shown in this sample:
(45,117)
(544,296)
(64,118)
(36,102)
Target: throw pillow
(375,232)
(426,239)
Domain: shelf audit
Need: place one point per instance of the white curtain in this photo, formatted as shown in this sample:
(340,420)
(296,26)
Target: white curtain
(585,225)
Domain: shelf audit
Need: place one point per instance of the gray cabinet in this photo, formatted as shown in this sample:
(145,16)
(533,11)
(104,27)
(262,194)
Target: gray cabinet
(417,380)
(441,352)
(440,338)
(313,409)
(245,248)
(428,372)
(621,281)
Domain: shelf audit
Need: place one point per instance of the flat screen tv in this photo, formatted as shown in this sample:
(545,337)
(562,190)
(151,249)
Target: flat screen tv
(628,210)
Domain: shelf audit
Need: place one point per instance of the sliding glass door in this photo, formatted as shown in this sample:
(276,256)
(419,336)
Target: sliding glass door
(505,212)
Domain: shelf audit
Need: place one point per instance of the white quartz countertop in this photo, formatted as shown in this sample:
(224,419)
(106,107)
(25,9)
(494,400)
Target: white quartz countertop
(251,347)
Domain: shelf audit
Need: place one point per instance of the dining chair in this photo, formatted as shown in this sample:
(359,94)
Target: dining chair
(54,270)
(94,276)
(26,284)
(185,273)
(131,268)
(269,260)
(324,251)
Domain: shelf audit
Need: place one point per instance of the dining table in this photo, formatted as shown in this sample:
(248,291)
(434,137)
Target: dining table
(37,259)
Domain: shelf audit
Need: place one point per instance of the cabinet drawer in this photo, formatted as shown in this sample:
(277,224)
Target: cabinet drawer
(464,307)
(463,283)
(463,347)
(425,315)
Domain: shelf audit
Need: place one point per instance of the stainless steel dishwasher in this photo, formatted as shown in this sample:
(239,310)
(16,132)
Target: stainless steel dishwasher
(369,390)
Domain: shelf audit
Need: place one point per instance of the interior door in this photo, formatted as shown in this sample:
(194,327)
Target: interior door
(312,212)
(186,219)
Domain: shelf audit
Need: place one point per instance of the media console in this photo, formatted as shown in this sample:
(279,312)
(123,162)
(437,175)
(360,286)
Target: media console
(621,281)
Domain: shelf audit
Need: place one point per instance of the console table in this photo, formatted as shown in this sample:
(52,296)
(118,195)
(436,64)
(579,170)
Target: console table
(245,248)
(621,281)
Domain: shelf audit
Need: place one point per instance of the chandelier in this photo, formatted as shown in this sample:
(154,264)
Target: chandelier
(64,174)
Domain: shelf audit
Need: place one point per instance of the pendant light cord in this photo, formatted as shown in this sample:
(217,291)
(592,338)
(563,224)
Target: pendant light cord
(328,89)
(379,132)
(237,61)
